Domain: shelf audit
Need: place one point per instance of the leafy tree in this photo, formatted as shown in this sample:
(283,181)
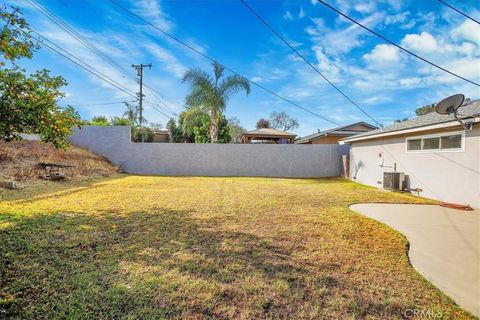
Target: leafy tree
(282,121)
(15,37)
(235,129)
(100,121)
(131,113)
(202,132)
(431,107)
(176,134)
(187,121)
(155,126)
(210,95)
(142,134)
(263,124)
(28,103)
(425,109)
(117,121)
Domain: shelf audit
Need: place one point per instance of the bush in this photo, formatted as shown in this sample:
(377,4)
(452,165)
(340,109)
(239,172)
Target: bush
(100,121)
(116,121)
(142,132)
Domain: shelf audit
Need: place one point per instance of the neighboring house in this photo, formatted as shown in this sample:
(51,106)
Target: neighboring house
(268,136)
(439,158)
(332,136)
(161,135)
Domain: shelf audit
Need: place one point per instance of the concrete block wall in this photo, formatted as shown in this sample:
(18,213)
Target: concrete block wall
(185,159)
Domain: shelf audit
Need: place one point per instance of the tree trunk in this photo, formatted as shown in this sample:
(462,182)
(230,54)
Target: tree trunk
(213,128)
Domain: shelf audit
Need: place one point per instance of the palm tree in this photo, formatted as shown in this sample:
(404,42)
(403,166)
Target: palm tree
(210,95)
(131,113)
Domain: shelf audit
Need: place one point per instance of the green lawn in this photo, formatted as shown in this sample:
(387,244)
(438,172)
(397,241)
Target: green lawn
(142,247)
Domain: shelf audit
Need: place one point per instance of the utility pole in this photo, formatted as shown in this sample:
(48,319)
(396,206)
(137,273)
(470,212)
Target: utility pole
(139,68)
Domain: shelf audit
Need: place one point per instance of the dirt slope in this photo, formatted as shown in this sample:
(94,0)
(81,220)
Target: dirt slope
(18,160)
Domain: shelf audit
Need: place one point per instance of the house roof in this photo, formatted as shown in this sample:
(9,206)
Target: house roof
(339,131)
(163,131)
(269,132)
(470,110)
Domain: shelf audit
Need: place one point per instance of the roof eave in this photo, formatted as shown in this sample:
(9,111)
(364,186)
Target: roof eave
(405,131)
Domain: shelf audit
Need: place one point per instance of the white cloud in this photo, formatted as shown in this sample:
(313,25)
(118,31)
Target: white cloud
(109,45)
(326,65)
(423,42)
(170,62)
(400,20)
(153,11)
(408,25)
(288,16)
(366,7)
(410,82)
(397,18)
(382,54)
(200,47)
(376,99)
(301,14)
(341,41)
(468,67)
(343,5)
(468,30)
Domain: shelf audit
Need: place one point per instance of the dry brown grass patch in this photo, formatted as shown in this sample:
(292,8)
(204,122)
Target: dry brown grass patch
(19,158)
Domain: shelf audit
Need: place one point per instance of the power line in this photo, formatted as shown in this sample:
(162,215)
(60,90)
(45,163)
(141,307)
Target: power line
(102,104)
(164,98)
(72,32)
(307,62)
(463,14)
(397,45)
(71,58)
(105,78)
(224,66)
(113,98)
(76,35)
(159,111)
(80,62)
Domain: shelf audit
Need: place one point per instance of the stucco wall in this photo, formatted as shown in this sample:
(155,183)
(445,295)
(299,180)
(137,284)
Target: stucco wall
(327,140)
(181,159)
(446,176)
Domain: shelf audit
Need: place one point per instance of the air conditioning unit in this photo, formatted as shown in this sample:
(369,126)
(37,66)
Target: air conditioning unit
(393,180)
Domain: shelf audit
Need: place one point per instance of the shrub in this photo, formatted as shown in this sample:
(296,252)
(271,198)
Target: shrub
(116,121)
(142,134)
(100,121)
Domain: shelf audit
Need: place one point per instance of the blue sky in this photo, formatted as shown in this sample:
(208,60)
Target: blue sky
(389,84)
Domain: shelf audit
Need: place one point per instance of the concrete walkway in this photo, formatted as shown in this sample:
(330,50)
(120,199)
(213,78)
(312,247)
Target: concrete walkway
(444,245)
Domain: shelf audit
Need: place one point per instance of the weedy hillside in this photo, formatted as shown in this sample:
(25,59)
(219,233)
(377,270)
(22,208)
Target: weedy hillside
(18,162)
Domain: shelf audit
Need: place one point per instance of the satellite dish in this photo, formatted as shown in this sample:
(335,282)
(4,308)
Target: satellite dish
(450,105)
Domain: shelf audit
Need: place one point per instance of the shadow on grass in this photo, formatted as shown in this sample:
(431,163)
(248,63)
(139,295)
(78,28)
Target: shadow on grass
(162,264)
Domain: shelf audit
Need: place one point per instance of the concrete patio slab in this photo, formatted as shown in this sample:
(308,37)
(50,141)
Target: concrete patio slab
(444,245)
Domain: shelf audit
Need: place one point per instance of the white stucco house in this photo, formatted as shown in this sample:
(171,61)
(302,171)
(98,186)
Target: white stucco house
(432,154)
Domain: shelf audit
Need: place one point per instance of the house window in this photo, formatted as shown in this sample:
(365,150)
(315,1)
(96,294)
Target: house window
(446,142)
(431,143)
(452,142)
(414,144)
